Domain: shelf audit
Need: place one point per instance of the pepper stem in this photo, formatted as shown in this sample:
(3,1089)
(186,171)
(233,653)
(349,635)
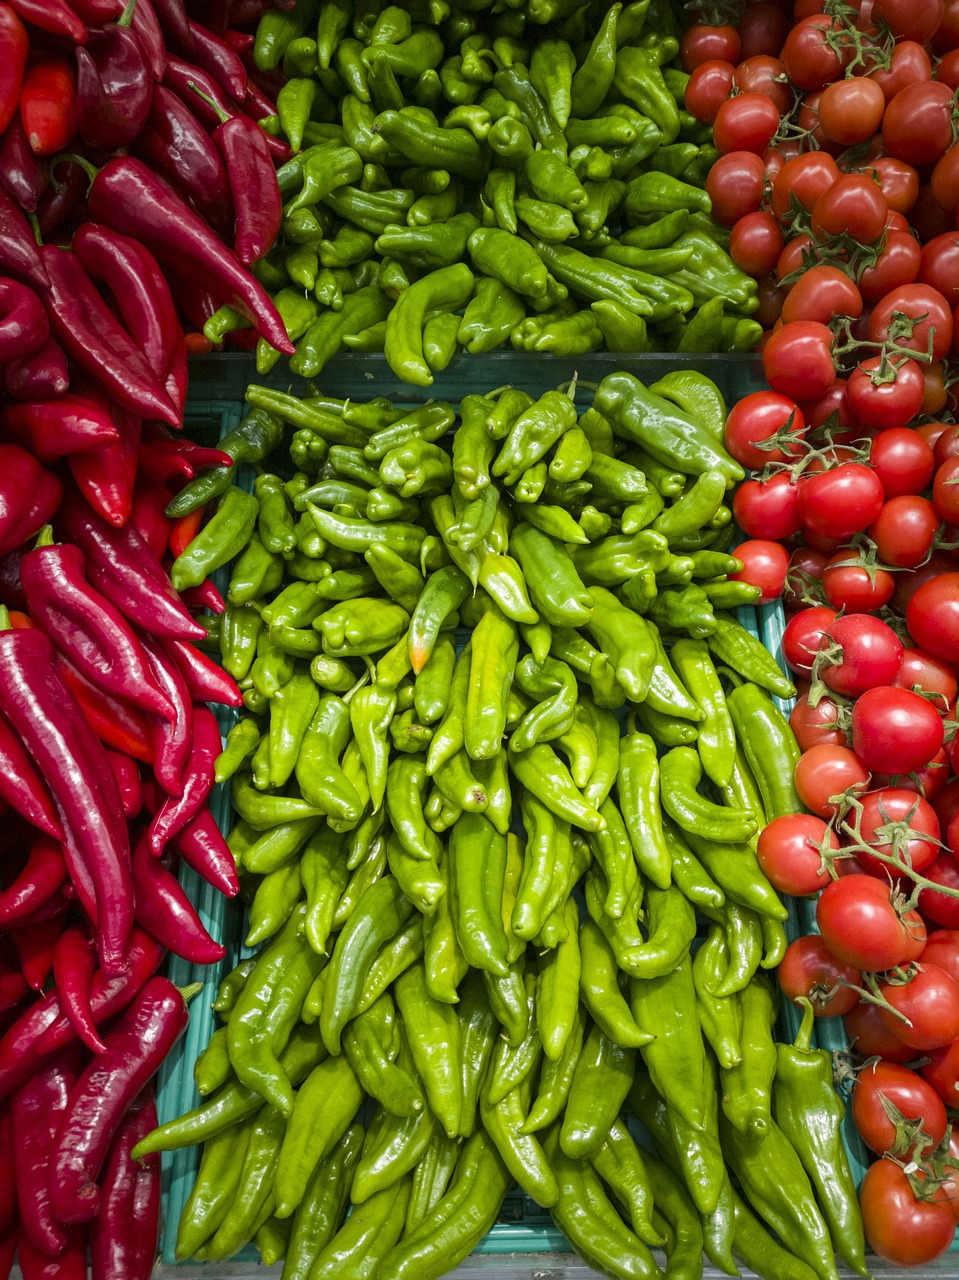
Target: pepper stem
(126,17)
(5,623)
(190,991)
(223,116)
(803,1039)
(45,537)
(89,169)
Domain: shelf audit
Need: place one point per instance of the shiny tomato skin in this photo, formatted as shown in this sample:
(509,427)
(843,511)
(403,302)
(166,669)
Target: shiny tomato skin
(798,361)
(735,186)
(810,969)
(803,586)
(909,64)
(854,205)
(708,88)
(764,565)
(942,1072)
(850,110)
(756,418)
(932,616)
(767,508)
(755,243)
(903,460)
(910,19)
(944,490)
(821,293)
(704,42)
(925,305)
(746,122)
(941,908)
(860,925)
(898,182)
(842,501)
(870,1037)
(803,635)
(896,804)
(865,653)
(898,1226)
(809,61)
(804,177)
(825,773)
(884,405)
(764,74)
(921,672)
(904,531)
(851,584)
(939,267)
(917,125)
(788,853)
(816,725)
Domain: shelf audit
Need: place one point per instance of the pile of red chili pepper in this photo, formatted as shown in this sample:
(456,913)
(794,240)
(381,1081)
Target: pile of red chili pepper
(134,179)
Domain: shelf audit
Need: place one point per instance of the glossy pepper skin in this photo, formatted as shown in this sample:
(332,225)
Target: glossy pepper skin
(24,327)
(123,1235)
(114,85)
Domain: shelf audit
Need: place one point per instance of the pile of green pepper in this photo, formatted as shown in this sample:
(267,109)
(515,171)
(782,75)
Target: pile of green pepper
(473,176)
(485,684)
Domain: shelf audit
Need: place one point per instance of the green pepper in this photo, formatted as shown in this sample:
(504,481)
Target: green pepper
(214,1189)
(599,1087)
(747,1085)
(747,656)
(680,772)
(720,1016)
(325,1200)
(599,987)
(318,771)
(665,1007)
(769,746)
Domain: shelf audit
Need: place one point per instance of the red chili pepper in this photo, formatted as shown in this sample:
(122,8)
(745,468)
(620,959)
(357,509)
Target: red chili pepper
(215,56)
(23,177)
(64,199)
(74,963)
(197,457)
(261,91)
(206,680)
(54,16)
(36,1109)
(195,305)
(83,322)
(48,103)
(126,573)
(164,910)
(105,477)
(172,739)
(133,277)
(157,465)
(8,1249)
(181,76)
(196,782)
(96,12)
(19,252)
(177,377)
(173,19)
(65,749)
(204,597)
(114,85)
(117,724)
(22,786)
(40,376)
(43,874)
(183,530)
(127,196)
(146,28)
(53,428)
(202,847)
(69,1264)
(198,344)
(244,14)
(8,1187)
(136,1047)
(14,47)
(147,515)
(29,495)
(127,774)
(123,1235)
(24,327)
(35,944)
(13,987)
(86,628)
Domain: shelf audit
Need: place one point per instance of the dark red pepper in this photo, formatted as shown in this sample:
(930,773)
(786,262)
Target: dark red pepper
(65,749)
(147,515)
(214,14)
(127,774)
(215,56)
(48,100)
(172,739)
(19,252)
(35,944)
(13,987)
(165,911)
(177,377)
(196,782)
(29,495)
(146,28)
(37,1107)
(87,629)
(204,597)
(117,724)
(123,1235)
(54,16)
(206,680)
(74,964)
(84,324)
(257,104)
(64,199)
(114,85)
(136,1047)
(52,429)
(40,376)
(22,175)
(202,847)
(8,1249)
(164,456)
(42,875)
(178,148)
(243,13)
(172,17)
(8,1189)
(105,477)
(69,1264)
(24,327)
(181,76)
(96,12)
(128,197)
(22,786)
(130,577)
(195,305)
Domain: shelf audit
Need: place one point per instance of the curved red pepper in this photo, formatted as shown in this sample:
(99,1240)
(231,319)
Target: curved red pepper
(36,1109)
(127,196)
(196,782)
(23,177)
(177,376)
(19,251)
(165,911)
(127,773)
(146,28)
(91,634)
(8,1189)
(172,739)
(53,428)
(114,85)
(69,1264)
(176,26)
(136,1047)
(40,376)
(203,848)
(106,476)
(74,963)
(35,944)
(44,873)
(13,987)
(205,596)
(15,44)
(206,679)
(64,747)
(123,1235)
(23,788)
(147,515)
(216,57)
(48,106)
(29,495)
(95,12)
(130,577)
(116,724)
(65,197)
(54,16)
(24,327)
(256,193)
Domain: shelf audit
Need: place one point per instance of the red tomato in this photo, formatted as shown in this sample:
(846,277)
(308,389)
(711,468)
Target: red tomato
(708,88)
(909,583)
(818,725)
(871,1038)
(929,1002)
(798,255)
(758,417)
(899,1227)
(908,65)
(946,805)
(917,125)
(941,908)
(927,218)
(903,460)
(764,566)
(944,488)
(942,1072)
(755,243)
(861,926)
(803,635)
(939,267)
(947,35)
(808,120)
(948,69)
(910,19)
(767,508)
(921,672)
(833,402)
(854,205)
(895,730)
(942,949)
(840,502)
(747,122)
(927,307)
(917,846)
(803,586)
(770,298)
(789,852)
(886,393)
(810,969)
(707,43)
(850,110)
(804,177)
(825,774)
(868,650)
(898,182)
(735,186)
(809,60)
(798,362)
(852,583)
(766,75)
(944,182)
(946,445)
(820,294)
(762,29)
(932,616)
